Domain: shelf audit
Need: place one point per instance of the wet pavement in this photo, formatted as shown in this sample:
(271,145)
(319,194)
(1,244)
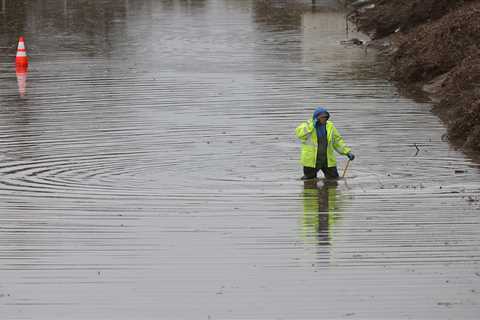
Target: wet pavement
(149,169)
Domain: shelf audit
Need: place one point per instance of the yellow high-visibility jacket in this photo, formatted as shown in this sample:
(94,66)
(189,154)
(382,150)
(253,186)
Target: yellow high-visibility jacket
(308,136)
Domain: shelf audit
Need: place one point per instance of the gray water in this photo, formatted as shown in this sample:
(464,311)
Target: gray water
(149,170)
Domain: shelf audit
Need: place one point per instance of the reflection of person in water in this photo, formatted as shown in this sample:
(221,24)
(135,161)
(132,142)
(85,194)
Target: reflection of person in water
(320,211)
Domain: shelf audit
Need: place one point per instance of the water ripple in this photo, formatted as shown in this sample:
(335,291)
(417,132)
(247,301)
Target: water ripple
(153,155)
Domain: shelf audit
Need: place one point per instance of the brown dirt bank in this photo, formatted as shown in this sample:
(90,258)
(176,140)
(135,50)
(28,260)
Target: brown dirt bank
(435,45)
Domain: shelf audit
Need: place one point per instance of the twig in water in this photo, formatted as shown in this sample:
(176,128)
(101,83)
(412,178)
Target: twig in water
(418,150)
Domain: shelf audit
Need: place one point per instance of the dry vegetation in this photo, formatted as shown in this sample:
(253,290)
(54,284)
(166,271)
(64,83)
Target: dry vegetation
(434,41)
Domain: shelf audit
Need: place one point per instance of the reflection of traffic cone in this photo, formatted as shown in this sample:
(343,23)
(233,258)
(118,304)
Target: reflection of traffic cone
(22,59)
(22,83)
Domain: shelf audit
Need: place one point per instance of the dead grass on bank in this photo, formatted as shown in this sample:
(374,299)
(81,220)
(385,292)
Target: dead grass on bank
(388,16)
(460,106)
(449,46)
(435,42)
(435,48)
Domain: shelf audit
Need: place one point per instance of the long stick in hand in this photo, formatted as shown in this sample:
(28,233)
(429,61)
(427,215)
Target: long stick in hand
(345,170)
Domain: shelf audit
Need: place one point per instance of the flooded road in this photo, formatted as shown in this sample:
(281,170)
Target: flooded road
(149,170)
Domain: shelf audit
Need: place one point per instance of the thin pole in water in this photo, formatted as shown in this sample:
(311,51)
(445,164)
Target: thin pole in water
(346,26)
(345,170)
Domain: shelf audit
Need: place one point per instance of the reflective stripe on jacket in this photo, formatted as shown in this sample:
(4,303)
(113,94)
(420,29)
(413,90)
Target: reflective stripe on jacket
(308,135)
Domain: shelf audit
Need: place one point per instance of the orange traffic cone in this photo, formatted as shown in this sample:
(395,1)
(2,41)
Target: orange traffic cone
(22,59)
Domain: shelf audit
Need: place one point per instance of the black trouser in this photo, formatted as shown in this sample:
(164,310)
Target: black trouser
(311,173)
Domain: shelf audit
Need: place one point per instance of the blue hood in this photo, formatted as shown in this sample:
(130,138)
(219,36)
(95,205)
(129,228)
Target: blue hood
(318,111)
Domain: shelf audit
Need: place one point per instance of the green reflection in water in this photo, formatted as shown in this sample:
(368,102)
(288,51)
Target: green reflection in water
(321,210)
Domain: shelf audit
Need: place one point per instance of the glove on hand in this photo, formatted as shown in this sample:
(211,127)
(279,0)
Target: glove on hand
(350,156)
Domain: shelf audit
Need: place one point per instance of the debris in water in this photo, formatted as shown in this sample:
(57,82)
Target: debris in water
(353,41)
(471,199)
(418,149)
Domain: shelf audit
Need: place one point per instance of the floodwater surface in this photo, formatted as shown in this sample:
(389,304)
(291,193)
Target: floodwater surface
(149,170)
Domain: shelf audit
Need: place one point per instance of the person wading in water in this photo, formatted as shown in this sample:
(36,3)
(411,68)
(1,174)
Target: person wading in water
(320,139)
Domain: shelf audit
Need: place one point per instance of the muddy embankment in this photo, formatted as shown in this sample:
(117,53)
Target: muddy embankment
(433,45)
